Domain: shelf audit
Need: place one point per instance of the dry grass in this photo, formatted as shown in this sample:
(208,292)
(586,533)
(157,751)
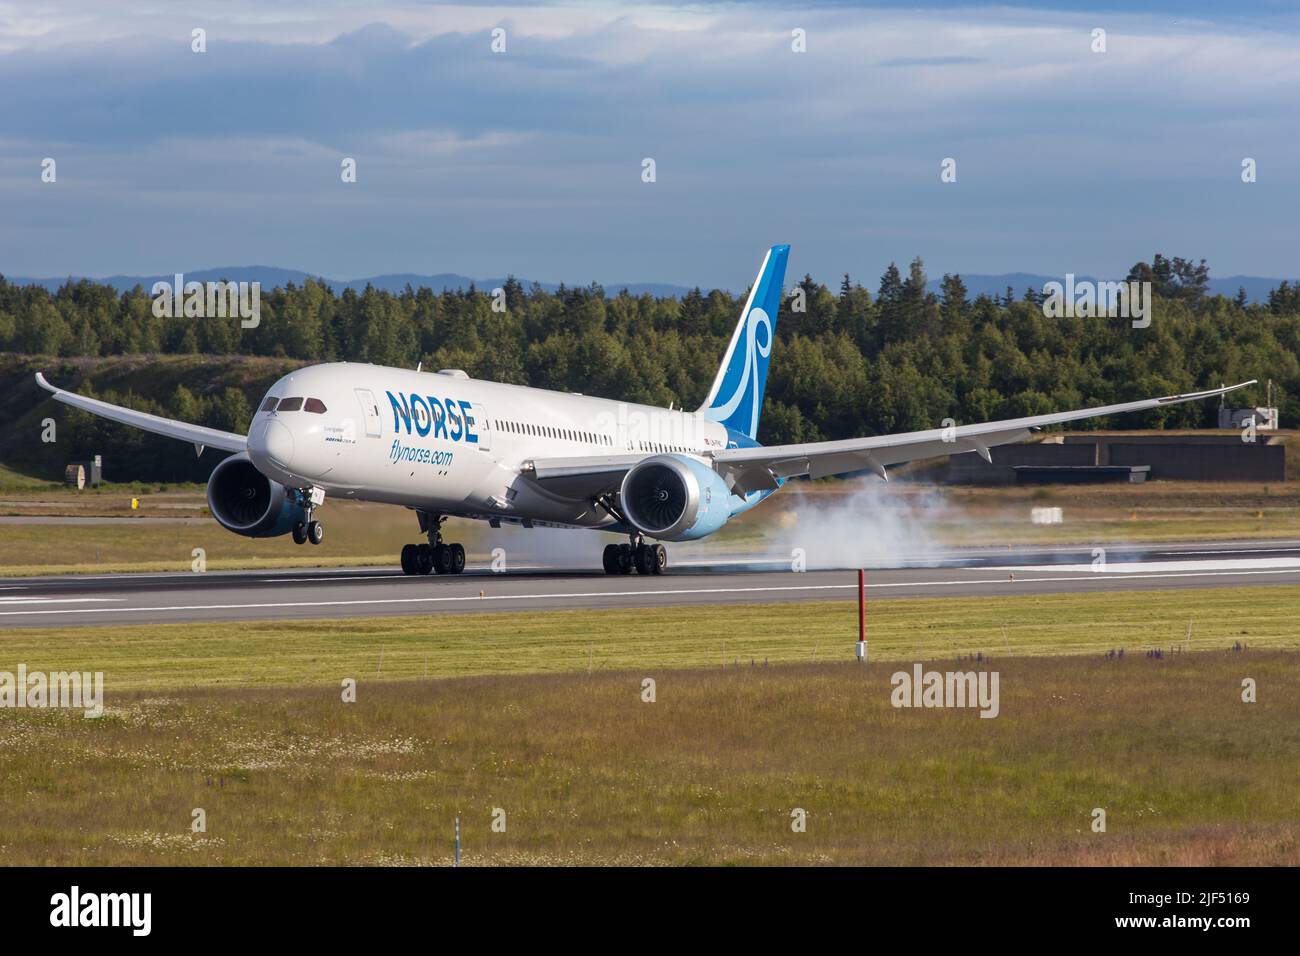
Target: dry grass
(708,774)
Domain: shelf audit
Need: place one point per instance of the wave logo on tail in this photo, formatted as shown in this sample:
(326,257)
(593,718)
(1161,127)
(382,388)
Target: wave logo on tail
(736,398)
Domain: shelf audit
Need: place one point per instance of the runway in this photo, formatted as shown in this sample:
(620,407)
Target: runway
(369,592)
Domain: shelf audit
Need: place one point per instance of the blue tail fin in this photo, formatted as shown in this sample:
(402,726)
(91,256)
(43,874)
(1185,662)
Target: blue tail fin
(736,398)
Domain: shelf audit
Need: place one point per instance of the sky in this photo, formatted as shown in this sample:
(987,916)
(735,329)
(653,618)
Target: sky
(530,161)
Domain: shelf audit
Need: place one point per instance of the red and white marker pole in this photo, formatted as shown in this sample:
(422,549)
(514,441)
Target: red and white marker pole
(862,617)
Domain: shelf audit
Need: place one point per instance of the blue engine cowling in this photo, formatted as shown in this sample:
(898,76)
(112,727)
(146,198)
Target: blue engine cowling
(674,498)
(245,501)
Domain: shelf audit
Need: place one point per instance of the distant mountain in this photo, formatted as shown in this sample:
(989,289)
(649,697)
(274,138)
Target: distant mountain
(271,277)
(1257,287)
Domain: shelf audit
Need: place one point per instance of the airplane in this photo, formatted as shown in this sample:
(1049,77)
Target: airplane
(446,445)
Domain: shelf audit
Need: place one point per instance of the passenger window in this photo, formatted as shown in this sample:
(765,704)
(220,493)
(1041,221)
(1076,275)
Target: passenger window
(269,404)
(290,404)
(314,405)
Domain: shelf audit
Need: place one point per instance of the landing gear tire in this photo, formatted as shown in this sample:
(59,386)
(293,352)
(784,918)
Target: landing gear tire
(625,559)
(315,532)
(650,558)
(423,559)
(457,558)
(300,533)
(641,559)
(408,559)
(609,559)
(442,558)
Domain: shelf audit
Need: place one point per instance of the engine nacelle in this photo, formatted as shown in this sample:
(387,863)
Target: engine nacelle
(245,501)
(674,498)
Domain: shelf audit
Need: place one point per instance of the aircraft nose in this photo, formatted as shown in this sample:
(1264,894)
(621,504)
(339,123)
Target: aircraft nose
(274,442)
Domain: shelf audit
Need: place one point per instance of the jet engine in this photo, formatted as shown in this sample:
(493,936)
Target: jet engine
(674,498)
(245,501)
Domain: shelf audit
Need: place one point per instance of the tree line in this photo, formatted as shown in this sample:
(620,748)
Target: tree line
(847,361)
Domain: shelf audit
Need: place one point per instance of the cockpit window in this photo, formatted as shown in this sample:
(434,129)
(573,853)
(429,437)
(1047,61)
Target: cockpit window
(269,404)
(314,405)
(290,404)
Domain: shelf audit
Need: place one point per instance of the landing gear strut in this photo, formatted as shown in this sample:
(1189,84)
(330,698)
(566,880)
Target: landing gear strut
(307,529)
(645,558)
(436,555)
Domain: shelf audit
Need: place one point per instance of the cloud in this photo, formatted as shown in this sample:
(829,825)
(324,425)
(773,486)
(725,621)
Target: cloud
(530,161)
(932,61)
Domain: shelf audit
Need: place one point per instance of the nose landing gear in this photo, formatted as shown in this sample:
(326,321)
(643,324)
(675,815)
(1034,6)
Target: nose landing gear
(645,558)
(308,530)
(434,556)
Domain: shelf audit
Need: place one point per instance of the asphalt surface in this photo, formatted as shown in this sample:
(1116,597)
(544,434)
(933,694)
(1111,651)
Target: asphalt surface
(365,592)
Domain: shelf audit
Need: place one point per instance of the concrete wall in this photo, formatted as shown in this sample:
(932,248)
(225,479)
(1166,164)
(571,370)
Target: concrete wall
(972,469)
(1234,461)
(1177,457)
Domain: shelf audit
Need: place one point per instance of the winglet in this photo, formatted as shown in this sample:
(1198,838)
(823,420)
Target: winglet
(1210,393)
(40,380)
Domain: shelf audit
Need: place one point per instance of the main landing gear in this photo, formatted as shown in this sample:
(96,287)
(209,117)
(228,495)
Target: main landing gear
(307,529)
(434,556)
(646,558)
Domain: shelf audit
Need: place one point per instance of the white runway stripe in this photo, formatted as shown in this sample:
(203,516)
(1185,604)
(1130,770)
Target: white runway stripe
(8,601)
(1138,567)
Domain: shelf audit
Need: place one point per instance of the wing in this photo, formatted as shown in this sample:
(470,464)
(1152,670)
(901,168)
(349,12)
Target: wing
(197,435)
(581,476)
(755,469)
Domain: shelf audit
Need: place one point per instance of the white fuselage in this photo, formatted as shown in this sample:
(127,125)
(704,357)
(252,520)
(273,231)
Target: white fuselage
(444,443)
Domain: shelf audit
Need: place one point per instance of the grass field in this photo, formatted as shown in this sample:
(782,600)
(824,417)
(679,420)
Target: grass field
(542,716)
(281,653)
(843,523)
(587,772)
